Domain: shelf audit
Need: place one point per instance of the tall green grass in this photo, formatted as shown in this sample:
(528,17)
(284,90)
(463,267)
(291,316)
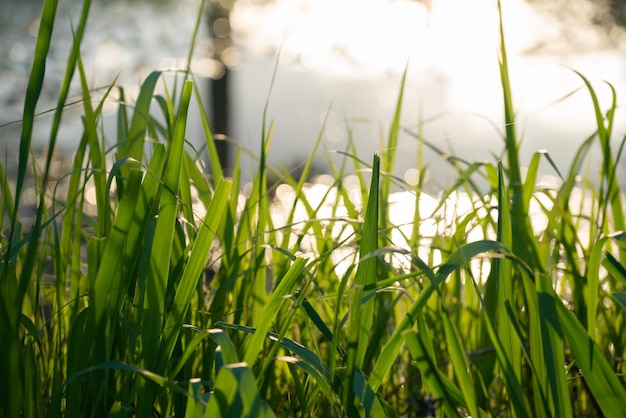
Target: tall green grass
(177,295)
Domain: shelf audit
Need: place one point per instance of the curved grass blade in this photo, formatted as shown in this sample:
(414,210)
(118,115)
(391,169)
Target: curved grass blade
(606,388)
(460,365)
(236,395)
(320,371)
(33,91)
(449,394)
(457,259)
(253,347)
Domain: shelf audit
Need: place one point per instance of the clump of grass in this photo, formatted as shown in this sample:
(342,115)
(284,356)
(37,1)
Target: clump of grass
(179,295)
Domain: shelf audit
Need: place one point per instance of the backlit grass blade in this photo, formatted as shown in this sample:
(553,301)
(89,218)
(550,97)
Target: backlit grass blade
(194,406)
(35,84)
(606,388)
(511,144)
(193,269)
(613,266)
(551,352)
(389,154)
(271,308)
(133,145)
(44,37)
(236,395)
(610,193)
(309,361)
(229,353)
(506,283)
(443,389)
(158,275)
(593,284)
(103,290)
(370,401)
(460,365)
(6,205)
(518,402)
(361,312)
(457,259)
(525,245)
(214,159)
(321,380)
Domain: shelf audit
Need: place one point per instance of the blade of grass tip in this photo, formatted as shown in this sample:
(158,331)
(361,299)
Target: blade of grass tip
(602,381)
(133,145)
(96,151)
(608,165)
(389,154)
(193,269)
(122,123)
(229,352)
(528,187)
(463,178)
(515,176)
(525,245)
(298,186)
(200,16)
(361,313)
(214,158)
(197,177)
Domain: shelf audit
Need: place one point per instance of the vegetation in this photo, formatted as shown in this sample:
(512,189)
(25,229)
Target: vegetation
(173,294)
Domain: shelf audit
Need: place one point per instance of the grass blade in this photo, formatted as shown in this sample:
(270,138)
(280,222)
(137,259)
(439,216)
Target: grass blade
(270,310)
(607,390)
(361,312)
(192,273)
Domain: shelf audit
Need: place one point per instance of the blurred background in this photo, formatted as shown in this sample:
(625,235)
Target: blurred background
(340,61)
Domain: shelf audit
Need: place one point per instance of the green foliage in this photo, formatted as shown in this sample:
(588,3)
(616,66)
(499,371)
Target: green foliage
(176,295)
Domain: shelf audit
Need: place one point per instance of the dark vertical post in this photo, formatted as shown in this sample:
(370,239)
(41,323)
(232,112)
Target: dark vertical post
(219,115)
